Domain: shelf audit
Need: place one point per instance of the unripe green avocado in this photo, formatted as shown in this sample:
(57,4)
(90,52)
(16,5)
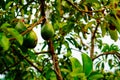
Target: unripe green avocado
(47,31)
(20,27)
(30,39)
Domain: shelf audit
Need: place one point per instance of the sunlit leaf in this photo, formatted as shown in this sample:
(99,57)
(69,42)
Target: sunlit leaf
(65,70)
(4,42)
(87,64)
(76,65)
(16,35)
(80,75)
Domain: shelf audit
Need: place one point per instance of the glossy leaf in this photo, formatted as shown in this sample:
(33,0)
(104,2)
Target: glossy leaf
(87,64)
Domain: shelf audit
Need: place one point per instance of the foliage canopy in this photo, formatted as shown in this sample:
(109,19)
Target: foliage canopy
(79,25)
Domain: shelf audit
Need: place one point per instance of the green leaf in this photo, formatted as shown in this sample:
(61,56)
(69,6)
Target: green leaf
(102,65)
(112,19)
(69,52)
(89,24)
(95,76)
(91,1)
(4,42)
(110,63)
(76,65)
(74,42)
(113,34)
(16,35)
(87,64)
(114,47)
(103,28)
(65,70)
(8,5)
(74,74)
(5,25)
(51,75)
(106,48)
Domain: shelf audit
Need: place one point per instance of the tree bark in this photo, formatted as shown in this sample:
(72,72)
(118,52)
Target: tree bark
(55,60)
(93,41)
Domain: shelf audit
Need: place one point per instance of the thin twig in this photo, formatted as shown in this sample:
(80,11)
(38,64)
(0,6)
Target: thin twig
(30,62)
(106,53)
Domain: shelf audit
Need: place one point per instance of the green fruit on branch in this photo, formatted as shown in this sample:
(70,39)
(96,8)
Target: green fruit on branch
(20,27)
(30,39)
(47,31)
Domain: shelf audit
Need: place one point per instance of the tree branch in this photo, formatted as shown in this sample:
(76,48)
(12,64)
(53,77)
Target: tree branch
(83,10)
(30,62)
(107,53)
(93,40)
(55,60)
(42,8)
(31,27)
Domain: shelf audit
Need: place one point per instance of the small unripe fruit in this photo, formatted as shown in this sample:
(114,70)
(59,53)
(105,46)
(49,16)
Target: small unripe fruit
(47,31)
(30,39)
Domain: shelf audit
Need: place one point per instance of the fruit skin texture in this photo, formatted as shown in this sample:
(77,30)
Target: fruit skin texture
(30,40)
(47,31)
